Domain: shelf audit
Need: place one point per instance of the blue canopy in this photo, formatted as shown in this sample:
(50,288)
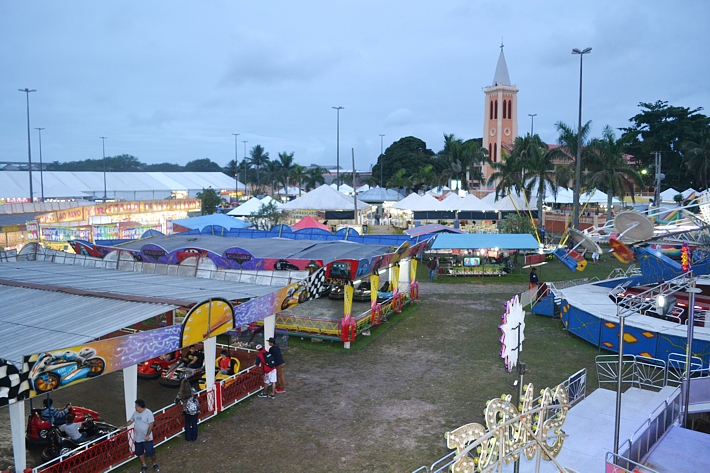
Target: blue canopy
(507,241)
(221,220)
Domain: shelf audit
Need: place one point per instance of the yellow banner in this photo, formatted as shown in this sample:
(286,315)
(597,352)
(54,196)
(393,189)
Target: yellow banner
(348,300)
(412,270)
(79,214)
(374,287)
(395,279)
(209,319)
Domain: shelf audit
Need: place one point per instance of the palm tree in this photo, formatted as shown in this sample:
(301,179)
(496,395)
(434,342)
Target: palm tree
(400,180)
(567,150)
(258,158)
(610,170)
(426,177)
(286,165)
(507,174)
(298,174)
(697,158)
(538,168)
(475,157)
(273,174)
(454,154)
(347,178)
(314,177)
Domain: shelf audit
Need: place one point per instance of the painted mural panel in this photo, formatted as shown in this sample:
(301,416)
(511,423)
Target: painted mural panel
(581,323)
(636,341)
(206,320)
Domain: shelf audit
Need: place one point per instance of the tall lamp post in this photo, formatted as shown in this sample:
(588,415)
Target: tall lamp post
(41,176)
(29,148)
(337,170)
(236,169)
(578,171)
(532,123)
(103,150)
(245,165)
(381,158)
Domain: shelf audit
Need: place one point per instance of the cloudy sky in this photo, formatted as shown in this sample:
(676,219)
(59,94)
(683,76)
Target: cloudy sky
(172,80)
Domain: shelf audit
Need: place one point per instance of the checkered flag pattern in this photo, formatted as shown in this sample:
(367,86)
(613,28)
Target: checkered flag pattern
(13,384)
(315,284)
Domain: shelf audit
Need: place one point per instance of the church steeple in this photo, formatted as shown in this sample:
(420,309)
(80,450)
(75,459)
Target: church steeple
(501,76)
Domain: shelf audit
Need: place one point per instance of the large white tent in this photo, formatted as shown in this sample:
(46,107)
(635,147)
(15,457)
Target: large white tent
(426,203)
(471,203)
(247,208)
(511,202)
(597,197)
(324,198)
(344,188)
(405,203)
(668,195)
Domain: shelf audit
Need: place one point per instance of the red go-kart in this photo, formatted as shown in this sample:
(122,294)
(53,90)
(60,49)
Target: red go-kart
(153,368)
(38,428)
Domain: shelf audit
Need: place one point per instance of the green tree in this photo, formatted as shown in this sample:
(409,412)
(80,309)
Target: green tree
(259,159)
(299,175)
(538,167)
(407,153)
(507,174)
(267,217)
(120,163)
(517,223)
(273,173)
(347,178)
(203,165)
(314,177)
(665,128)
(286,166)
(400,180)
(610,172)
(210,201)
(163,167)
(697,158)
(426,177)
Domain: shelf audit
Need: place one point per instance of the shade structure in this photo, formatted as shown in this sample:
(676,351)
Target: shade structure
(669,194)
(247,208)
(222,220)
(509,203)
(309,222)
(344,188)
(504,241)
(451,202)
(291,190)
(363,188)
(405,203)
(268,199)
(324,198)
(472,203)
(427,203)
(380,194)
(690,192)
(597,197)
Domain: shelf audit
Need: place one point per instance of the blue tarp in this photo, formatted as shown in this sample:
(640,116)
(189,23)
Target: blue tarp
(506,241)
(215,220)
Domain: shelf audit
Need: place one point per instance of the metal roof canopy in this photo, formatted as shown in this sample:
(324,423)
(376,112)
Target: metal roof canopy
(112,300)
(326,251)
(505,241)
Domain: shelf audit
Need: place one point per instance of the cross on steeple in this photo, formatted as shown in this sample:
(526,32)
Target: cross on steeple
(501,44)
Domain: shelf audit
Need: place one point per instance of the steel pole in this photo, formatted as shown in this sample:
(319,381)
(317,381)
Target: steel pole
(617,421)
(236,169)
(103,150)
(245,165)
(382,158)
(692,290)
(578,164)
(29,145)
(41,175)
(337,165)
(532,123)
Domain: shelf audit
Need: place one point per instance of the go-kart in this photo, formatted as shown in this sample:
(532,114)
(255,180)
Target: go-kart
(218,376)
(38,428)
(174,376)
(153,368)
(53,371)
(59,444)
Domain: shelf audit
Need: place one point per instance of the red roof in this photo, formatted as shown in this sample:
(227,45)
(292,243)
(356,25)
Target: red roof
(309,222)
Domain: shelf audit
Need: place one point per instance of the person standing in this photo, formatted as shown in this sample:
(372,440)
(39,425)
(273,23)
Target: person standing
(534,281)
(433,267)
(279,362)
(187,396)
(269,371)
(143,422)
(595,257)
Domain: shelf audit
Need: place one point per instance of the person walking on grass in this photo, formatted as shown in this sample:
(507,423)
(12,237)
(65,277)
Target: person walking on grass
(275,350)
(143,422)
(266,361)
(433,267)
(187,396)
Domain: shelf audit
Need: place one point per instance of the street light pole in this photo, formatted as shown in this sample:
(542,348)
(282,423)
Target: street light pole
(245,165)
(578,171)
(236,169)
(29,147)
(382,159)
(41,176)
(337,170)
(103,150)
(532,123)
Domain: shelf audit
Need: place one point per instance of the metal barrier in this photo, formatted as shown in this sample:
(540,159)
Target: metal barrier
(636,371)
(614,466)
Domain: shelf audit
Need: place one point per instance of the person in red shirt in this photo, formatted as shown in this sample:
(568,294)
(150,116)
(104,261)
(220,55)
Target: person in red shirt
(269,372)
(225,364)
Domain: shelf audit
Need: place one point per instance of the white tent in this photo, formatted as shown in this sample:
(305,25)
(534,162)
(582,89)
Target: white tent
(324,198)
(292,190)
(405,203)
(450,202)
(598,197)
(425,203)
(268,199)
(506,203)
(439,190)
(472,203)
(247,208)
(344,188)
(688,192)
(668,195)
(364,188)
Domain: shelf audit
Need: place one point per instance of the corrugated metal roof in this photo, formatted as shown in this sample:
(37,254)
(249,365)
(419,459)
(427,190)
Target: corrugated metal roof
(55,320)
(523,241)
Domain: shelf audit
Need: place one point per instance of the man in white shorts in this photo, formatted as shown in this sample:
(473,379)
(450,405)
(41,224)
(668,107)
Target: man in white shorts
(266,361)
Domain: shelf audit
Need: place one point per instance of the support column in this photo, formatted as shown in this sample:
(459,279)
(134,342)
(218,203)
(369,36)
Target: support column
(404,275)
(17,426)
(269,327)
(130,389)
(210,348)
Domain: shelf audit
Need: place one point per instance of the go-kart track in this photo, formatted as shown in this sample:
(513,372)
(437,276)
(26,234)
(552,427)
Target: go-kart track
(87,322)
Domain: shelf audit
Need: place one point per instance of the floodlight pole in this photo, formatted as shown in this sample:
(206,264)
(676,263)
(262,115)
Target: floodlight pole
(355,219)
(103,149)
(692,290)
(245,165)
(236,169)
(29,147)
(382,159)
(578,167)
(521,376)
(532,123)
(41,175)
(337,170)
(617,422)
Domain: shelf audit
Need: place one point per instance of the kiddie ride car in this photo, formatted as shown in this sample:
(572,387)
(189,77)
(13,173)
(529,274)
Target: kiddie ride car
(52,371)
(153,368)
(234,365)
(174,376)
(58,444)
(38,428)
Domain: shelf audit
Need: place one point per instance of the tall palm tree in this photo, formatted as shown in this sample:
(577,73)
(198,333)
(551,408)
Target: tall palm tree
(258,158)
(475,157)
(426,177)
(314,177)
(400,180)
(610,171)
(697,158)
(298,175)
(286,165)
(347,178)
(455,155)
(538,168)
(273,173)
(507,174)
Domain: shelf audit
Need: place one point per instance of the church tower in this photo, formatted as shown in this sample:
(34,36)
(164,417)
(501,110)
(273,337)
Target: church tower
(500,111)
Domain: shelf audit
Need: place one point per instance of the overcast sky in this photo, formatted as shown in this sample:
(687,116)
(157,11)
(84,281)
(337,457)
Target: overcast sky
(172,80)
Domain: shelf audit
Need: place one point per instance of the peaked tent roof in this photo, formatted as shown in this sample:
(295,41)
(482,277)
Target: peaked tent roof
(507,203)
(688,192)
(309,222)
(473,203)
(215,219)
(426,203)
(430,229)
(268,199)
(598,197)
(379,194)
(247,208)
(344,188)
(364,188)
(451,202)
(324,198)
(501,76)
(407,201)
(292,190)
(669,194)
